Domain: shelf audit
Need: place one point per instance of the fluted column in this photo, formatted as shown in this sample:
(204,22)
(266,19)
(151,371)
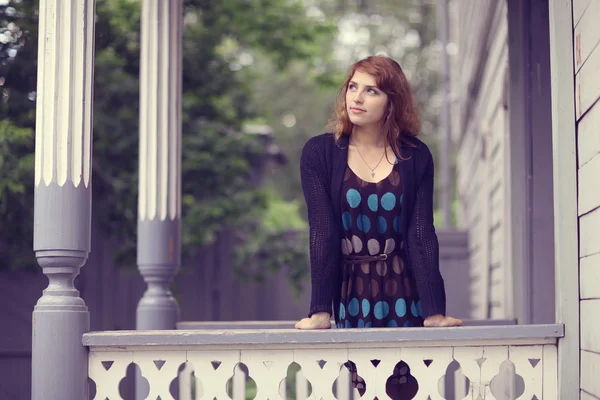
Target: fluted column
(159,207)
(62,216)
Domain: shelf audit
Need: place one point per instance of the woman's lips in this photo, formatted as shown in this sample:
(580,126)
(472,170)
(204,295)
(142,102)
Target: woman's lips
(357,110)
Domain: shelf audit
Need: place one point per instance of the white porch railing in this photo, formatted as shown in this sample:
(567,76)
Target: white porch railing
(499,362)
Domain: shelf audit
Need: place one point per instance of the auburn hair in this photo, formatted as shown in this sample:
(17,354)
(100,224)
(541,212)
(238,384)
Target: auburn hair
(401,120)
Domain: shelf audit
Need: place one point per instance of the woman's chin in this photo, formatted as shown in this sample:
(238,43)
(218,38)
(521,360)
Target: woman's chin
(361,123)
(357,121)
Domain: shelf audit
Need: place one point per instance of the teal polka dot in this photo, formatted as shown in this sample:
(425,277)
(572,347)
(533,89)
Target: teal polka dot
(392,324)
(401,307)
(361,323)
(408,324)
(348,324)
(381,224)
(347,220)
(381,310)
(397,225)
(363,223)
(342,311)
(372,202)
(366,307)
(415,309)
(388,201)
(353,307)
(368,325)
(353,198)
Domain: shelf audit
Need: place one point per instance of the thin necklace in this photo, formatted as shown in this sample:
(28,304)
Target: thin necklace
(367,164)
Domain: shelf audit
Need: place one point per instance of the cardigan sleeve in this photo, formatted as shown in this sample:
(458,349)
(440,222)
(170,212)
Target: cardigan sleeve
(322,228)
(423,242)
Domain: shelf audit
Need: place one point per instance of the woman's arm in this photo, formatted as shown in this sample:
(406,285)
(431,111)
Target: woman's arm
(424,247)
(322,228)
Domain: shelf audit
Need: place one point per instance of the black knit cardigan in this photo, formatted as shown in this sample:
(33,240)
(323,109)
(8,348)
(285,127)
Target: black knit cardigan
(322,167)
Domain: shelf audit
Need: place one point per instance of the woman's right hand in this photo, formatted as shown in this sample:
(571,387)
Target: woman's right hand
(320,320)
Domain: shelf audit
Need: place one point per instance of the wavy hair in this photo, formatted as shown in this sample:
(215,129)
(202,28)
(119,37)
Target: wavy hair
(401,120)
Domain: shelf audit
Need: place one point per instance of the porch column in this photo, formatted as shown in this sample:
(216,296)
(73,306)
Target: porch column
(62,214)
(159,205)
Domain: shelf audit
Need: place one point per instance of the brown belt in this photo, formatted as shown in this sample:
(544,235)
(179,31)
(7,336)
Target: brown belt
(353,259)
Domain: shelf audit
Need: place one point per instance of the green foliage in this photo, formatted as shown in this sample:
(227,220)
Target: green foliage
(221,38)
(278,242)
(402,29)
(16,189)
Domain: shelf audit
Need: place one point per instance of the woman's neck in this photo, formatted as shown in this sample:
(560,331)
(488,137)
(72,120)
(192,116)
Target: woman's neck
(367,136)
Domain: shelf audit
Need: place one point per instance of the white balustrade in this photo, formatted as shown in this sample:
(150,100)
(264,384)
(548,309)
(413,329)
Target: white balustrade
(500,362)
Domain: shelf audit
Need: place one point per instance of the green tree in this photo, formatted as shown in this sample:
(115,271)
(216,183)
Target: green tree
(298,102)
(220,39)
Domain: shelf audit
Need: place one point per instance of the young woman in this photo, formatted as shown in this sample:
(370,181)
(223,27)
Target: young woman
(368,186)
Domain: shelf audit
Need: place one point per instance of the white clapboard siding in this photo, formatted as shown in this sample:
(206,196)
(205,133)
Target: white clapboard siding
(587,59)
(481,169)
(589,232)
(587,34)
(590,371)
(588,136)
(586,14)
(587,396)
(589,279)
(589,186)
(579,6)
(590,339)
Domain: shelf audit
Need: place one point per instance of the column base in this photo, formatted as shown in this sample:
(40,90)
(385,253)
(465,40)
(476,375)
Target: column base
(59,360)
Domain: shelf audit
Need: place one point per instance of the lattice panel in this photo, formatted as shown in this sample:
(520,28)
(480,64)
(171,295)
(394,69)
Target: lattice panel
(492,372)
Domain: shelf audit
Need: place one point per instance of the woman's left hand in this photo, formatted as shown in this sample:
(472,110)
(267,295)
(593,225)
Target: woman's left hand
(440,320)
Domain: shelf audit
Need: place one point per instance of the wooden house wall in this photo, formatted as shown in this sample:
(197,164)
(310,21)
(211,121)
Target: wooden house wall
(586,15)
(480,129)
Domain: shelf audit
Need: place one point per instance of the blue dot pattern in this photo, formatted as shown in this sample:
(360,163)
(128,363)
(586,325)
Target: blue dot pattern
(381,224)
(381,310)
(388,201)
(347,220)
(415,309)
(363,223)
(353,197)
(372,202)
(353,307)
(375,294)
(366,307)
(401,307)
(397,225)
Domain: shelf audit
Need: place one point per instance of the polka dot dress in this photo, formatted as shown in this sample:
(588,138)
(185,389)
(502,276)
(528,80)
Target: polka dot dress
(377,293)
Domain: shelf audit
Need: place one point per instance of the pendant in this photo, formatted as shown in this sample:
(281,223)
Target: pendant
(372,174)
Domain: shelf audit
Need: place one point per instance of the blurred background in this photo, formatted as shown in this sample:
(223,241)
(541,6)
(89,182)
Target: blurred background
(259,78)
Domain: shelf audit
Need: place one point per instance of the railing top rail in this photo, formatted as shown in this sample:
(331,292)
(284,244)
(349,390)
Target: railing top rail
(227,325)
(384,337)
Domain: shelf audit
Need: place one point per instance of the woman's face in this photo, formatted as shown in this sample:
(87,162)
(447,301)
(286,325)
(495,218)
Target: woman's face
(365,102)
